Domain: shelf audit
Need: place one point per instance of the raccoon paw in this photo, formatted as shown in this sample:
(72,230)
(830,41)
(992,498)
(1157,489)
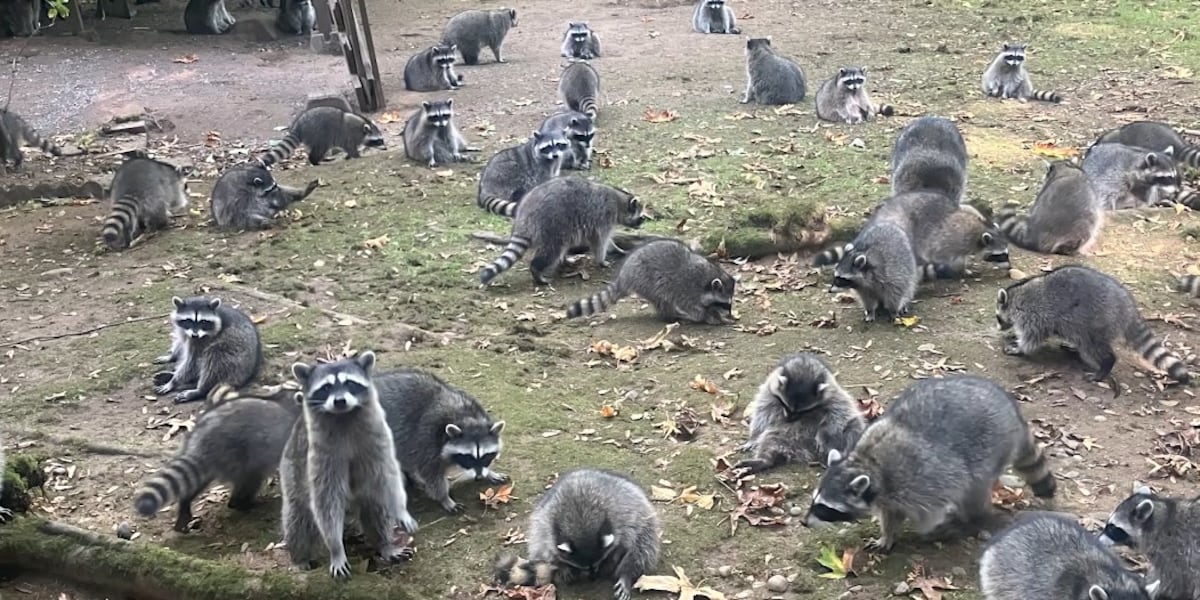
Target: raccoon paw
(188,396)
(408,522)
(164,388)
(394,555)
(497,477)
(166,358)
(1012,348)
(880,545)
(452,506)
(339,568)
(752,465)
(621,590)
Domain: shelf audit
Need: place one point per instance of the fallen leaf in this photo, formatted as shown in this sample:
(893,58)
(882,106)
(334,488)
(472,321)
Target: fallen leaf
(227,278)
(909,321)
(607,411)
(830,559)
(679,584)
(659,116)
(187,59)
(523,592)
(704,385)
(1017,274)
(931,587)
(377,243)
(391,116)
(661,494)
(1051,150)
(760,506)
(871,408)
(493,498)
(1174,72)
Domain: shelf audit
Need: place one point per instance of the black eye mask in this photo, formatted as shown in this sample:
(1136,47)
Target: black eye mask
(1117,535)
(831,515)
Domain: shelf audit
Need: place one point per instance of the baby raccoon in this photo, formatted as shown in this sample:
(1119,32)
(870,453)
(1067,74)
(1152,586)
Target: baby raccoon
(1127,177)
(1089,311)
(770,77)
(930,154)
(714,16)
(513,172)
(323,128)
(880,268)
(432,69)
(561,214)
(1155,136)
(681,285)
(1167,531)
(578,86)
(932,457)
(247,197)
(14,132)
(580,131)
(210,344)
(1050,557)
(296,17)
(1006,77)
(432,138)
(1066,217)
(580,42)
(843,98)
(145,194)
(591,523)
(471,30)
(800,415)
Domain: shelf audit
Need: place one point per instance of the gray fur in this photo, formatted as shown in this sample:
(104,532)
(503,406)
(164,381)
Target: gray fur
(211,344)
(207,17)
(473,29)
(431,136)
(19,18)
(1006,77)
(247,197)
(880,267)
(1189,284)
(1155,136)
(843,98)
(932,457)
(800,414)
(772,78)
(323,128)
(580,131)
(579,41)
(1167,531)
(681,284)
(579,88)
(1051,557)
(1089,311)
(15,132)
(296,17)
(930,154)
(561,214)
(1066,217)
(1127,177)
(714,16)
(341,457)
(5,514)
(145,194)
(513,172)
(432,69)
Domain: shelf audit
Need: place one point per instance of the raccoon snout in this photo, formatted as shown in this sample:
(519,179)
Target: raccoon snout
(997,257)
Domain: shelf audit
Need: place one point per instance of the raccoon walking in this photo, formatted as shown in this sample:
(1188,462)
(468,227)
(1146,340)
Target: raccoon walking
(580,131)
(579,86)
(770,77)
(580,41)
(1127,177)
(239,441)
(473,29)
(1089,311)
(930,154)
(1155,136)
(432,70)
(714,16)
(592,523)
(932,457)
(513,172)
(1066,217)
(1167,531)
(681,285)
(561,214)
(341,456)
(210,344)
(880,268)
(843,98)
(296,17)
(145,194)
(432,138)
(247,197)
(207,17)
(1051,557)
(800,414)
(1006,77)
(323,128)
(14,132)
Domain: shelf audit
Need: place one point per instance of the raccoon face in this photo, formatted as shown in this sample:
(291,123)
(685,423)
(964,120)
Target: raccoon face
(797,394)
(1013,54)
(715,4)
(440,113)
(579,32)
(550,147)
(512,16)
(372,135)
(718,299)
(1158,170)
(852,78)
(444,55)
(993,246)
(581,130)
(473,447)
(197,318)
(586,553)
(852,270)
(338,387)
(843,495)
(1004,310)
(1130,520)
(633,216)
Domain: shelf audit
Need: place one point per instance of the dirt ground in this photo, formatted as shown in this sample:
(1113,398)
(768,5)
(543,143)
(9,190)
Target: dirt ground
(388,243)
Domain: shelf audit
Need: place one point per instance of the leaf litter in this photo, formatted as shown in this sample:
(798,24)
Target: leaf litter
(677,584)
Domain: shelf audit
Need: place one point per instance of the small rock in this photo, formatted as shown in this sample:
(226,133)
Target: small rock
(904,49)
(1099,418)
(1011,481)
(724,570)
(796,511)
(858,143)
(901,589)
(742,595)
(777,584)
(124,531)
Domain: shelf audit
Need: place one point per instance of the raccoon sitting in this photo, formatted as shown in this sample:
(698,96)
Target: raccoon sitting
(930,154)
(1155,136)
(1167,531)
(207,17)
(1006,77)
(1066,217)
(580,131)
(247,198)
(879,266)
(932,457)
(296,17)
(771,78)
(843,98)
(559,215)
(800,414)
(432,138)
(580,42)
(1127,177)
(473,29)
(513,172)
(145,194)
(14,132)
(432,70)
(681,285)
(323,128)
(591,523)
(18,18)
(579,86)
(1089,311)
(210,344)
(714,16)
(1051,557)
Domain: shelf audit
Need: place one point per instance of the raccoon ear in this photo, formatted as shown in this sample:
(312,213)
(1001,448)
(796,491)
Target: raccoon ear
(1002,298)
(366,128)
(1169,151)
(860,261)
(862,70)
(1152,588)
(497,427)
(1150,160)
(452,430)
(258,181)
(716,285)
(834,456)
(1144,510)
(607,540)
(860,484)
(1143,490)
(987,238)
(841,73)
(177,301)
(301,372)
(425,105)
(1097,593)
(454,47)
(821,387)
(537,136)
(449,102)
(565,547)
(215,303)
(366,360)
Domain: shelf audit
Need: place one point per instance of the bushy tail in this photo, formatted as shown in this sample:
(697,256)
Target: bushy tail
(599,302)
(885,110)
(498,206)
(831,256)
(588,107)
(182,477)
(1142,339)
(282,151)
(221,394)
(1045,96)
(1190,285)
(122,225)
(936,271)
(513,252)
(47,146)
(513,570)
(1030,464)
(1015,227)
(1190,156)
(1189,198)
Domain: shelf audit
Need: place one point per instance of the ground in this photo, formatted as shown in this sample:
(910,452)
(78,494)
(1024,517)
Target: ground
(387,242)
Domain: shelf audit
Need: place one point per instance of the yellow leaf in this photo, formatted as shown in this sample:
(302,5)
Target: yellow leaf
(661,494)
(1016,274)
(1174,72)
(391,116)
(187,59)
(607,412)
(1051,150)
(910,321)
(704,385)
(377,243)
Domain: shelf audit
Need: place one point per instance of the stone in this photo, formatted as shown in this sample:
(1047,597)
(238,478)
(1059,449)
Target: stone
(124,531)
(777,584)
(902,589)
(724,570)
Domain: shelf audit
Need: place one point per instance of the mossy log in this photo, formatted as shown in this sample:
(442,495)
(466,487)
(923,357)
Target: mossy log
(770,226)
(149,572)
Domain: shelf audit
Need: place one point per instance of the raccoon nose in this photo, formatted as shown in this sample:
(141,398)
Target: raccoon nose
(339,402)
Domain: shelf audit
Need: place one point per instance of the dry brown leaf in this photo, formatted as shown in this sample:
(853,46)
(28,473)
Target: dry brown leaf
(679,584)
(704,385)
(1051,150)
(391,116)
(493,498)
(931,587)
(523,592)
(871,408)
(659,116)
(187,59)
(377,243)
(607,411)
(760,506)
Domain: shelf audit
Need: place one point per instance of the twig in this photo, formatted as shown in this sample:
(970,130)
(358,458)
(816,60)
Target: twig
(38,338)
(491,238)
(81,445)
(1190,132)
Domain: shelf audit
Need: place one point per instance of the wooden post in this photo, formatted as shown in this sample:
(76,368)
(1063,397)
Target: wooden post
(358,46)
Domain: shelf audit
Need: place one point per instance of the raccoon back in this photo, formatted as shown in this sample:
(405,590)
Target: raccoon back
(145,192)
(776,79)
(236,352)
(930,154)
(422,74)
(511,174)
(418,406)
(564,211)
(579,87)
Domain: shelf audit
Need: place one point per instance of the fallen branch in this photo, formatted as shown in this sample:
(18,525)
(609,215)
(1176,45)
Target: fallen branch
(38,338)
(81,445)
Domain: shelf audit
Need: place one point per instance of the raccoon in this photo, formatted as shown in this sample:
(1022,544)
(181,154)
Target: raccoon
(1050,557)
(930,154)
(932,457)
(439,431)
(513,172)
(432,138)
(1155,136)
(771,78)
(561,214)
(473,29)
(14,132)
(880,267)
(800,414)
(681,284)
(207,17)
(432,70)
(1166,530)
(19,18)
(296,17)
(843,98)
(580,42)
(247,197)
(1086,309)
(580,131)
(714,16)
(578,86)
(1006,77)
(942,248)
(210,344)
(322,129)
(591,523)
(145,194)
(240,441)
(341,456)
(1189,284)
(1066,217)
(1127,177)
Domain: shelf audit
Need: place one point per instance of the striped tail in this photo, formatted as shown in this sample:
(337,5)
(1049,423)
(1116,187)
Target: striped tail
(1045,96)
(936,271)
(588,107)
(1190,156)
(182,477)
(1190,285)
(513,570)
(599,302)
(221,394)
(122,225)
(1030,464)
(1142,338)
(1189,198)
(1015,227)
(47,146)
(832,256)
(498,206)
(513,252)
(281,151)
(886,110)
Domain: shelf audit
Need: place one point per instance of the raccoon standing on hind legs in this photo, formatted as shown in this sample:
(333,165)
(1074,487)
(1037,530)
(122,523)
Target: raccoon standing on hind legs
(1006,77)
(580,42)
(843,98)
(145,194)
(432,69)
(714,16)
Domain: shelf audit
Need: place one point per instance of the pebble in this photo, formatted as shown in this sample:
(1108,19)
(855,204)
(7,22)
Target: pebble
(1099,418)
(777,584)
(1011,481)
(901,589)
(742,595)
(724,570)
(124,531)
(796,511)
